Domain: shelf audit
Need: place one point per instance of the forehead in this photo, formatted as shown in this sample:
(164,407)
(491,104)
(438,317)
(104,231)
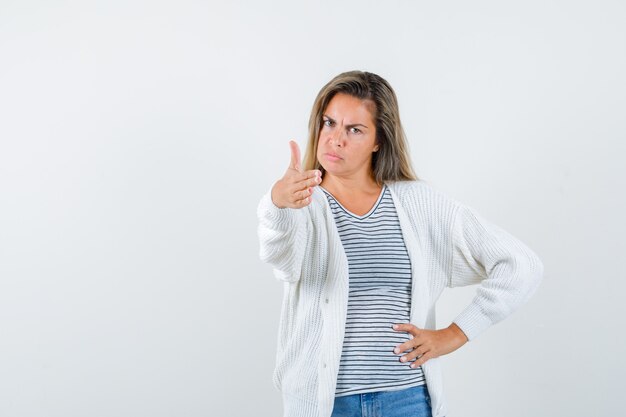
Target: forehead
(349,107)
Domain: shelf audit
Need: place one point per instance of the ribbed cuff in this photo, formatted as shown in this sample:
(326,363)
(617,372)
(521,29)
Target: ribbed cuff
(267,209)
(472,321)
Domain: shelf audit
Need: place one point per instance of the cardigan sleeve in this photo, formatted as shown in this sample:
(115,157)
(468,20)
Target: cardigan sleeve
(506,269)
(282,238)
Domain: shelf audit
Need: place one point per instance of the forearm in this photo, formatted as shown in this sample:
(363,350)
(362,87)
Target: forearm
(282,238)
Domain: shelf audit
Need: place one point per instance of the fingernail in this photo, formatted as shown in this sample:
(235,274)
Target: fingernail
(403,359)
(395,326)
(413,366)
(396,350)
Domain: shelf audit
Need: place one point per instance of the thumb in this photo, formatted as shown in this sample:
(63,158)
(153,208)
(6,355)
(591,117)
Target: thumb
(295,156)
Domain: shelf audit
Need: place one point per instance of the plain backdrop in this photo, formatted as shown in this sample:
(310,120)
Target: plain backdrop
(137,137)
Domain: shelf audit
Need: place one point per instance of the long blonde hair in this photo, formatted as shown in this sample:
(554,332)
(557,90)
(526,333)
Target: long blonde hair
(391,162)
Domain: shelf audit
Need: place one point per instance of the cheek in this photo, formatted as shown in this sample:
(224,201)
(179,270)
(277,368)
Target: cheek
(320,140)
(320,145)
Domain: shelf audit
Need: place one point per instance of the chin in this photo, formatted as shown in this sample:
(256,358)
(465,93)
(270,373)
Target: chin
(323,165)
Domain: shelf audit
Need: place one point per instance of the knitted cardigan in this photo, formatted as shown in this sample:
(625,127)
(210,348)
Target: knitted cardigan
(449,245)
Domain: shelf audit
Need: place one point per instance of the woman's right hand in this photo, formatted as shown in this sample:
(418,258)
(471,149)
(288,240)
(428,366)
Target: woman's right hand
(294,189)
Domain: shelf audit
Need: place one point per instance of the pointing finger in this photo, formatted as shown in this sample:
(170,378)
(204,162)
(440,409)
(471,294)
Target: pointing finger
(308,180)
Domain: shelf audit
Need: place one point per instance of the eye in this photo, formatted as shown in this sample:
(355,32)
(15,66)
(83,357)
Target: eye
(355,130)
(328,122)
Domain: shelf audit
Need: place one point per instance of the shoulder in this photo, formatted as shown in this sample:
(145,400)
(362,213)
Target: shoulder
(318,200)
(422,194)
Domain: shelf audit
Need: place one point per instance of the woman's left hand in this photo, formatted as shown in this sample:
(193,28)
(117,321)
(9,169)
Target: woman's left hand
(428,344)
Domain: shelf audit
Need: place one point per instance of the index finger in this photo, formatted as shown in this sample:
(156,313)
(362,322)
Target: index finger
(309,178)
(405,327)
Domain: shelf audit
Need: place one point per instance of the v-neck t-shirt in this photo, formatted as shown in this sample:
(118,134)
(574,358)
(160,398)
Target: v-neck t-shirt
(379,296)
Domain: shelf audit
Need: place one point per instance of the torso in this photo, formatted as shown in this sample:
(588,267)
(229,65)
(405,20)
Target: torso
(380,278)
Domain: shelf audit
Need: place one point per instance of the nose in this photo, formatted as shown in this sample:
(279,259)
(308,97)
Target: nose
(335,138)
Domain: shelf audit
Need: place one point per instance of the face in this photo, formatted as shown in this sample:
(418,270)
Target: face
(348,137)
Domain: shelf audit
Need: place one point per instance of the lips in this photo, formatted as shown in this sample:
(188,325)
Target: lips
(332,156)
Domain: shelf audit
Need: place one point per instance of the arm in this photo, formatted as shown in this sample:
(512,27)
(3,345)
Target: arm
(282,237)
(508,273)
(506,269)
(283,221)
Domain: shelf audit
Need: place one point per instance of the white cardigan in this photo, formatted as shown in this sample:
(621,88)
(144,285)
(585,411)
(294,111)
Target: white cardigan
(449,245)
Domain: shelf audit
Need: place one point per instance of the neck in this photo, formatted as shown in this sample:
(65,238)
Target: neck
(350,185)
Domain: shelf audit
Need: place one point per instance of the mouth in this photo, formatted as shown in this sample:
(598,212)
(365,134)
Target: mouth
(332,156)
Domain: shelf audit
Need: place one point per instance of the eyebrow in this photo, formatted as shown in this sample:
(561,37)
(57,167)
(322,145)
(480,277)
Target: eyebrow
(348,126)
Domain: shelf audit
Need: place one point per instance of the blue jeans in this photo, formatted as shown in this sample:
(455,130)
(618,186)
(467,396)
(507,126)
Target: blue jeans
(410,402)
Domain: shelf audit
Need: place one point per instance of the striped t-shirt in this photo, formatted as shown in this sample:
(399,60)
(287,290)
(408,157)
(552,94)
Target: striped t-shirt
(379,296)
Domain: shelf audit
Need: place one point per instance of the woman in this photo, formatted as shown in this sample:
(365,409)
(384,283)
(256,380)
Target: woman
(365,249)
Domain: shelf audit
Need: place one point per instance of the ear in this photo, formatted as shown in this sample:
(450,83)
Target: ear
(375,148)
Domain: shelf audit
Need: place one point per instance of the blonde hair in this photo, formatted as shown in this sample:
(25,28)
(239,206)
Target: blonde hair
(391,162)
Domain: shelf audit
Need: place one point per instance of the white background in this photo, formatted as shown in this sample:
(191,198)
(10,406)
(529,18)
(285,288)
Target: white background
(136,138)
